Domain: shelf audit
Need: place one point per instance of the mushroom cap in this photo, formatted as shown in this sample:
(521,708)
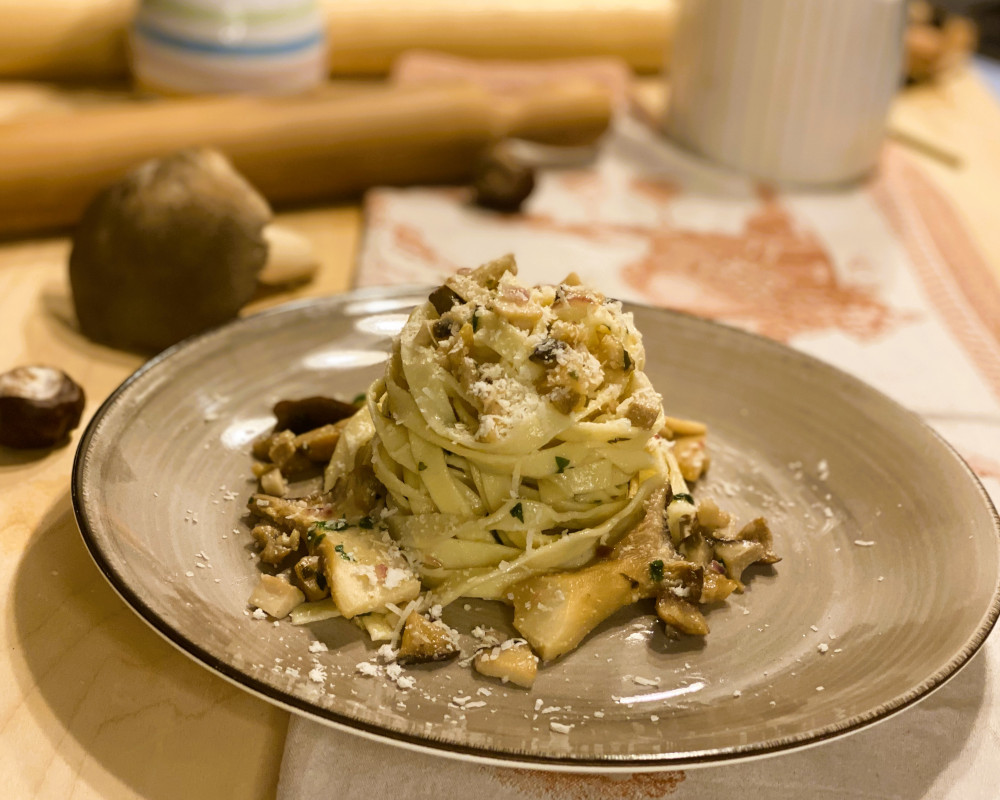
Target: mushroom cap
(171,249)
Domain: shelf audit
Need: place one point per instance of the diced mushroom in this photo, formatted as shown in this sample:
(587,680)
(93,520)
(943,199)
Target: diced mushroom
(273,482)
(288,514)
(692,456)
(318,444)
(547,351)
(710,517)
(716,587)
(281,448)
(511,662)
(680,614)
(444,298)
(575,303)
(275,596)
(276,545)
(758,530)
(738,555)
(697,549)
(308,576)
(365,571)
(426,640)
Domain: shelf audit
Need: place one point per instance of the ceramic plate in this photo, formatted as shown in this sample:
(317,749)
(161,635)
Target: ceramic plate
(889,581)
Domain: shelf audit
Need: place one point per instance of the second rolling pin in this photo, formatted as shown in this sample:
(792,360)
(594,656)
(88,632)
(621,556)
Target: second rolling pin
(294,150)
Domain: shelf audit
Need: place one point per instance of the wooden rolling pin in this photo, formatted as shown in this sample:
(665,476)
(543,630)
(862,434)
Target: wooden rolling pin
(294,150)
(83,40)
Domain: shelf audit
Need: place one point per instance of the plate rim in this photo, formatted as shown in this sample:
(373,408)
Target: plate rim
(611,763)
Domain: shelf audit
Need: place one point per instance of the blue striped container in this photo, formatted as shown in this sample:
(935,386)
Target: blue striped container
(227,46)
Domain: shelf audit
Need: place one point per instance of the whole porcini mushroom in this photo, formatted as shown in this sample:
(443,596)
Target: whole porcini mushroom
(173,248)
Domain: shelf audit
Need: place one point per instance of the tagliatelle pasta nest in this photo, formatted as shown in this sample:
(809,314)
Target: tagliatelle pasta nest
(514,450)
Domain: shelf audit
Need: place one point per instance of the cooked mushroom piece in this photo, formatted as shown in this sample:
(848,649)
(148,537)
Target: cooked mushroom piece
(710,517)
(716,587)
(555,611)
(276,545)
(426,640)
(692,456)
(757,530)
(308,576)
(738,555)
(273,482)
(511,662)
(309,413)
(680,614)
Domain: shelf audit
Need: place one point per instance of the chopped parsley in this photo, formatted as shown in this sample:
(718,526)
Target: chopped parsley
(517,512)
(315,535)
(656,570)
(683,496)
(359,399)
(344,555)
(333,525)
(421,466)
(366,522)
(561,464)
(628,360)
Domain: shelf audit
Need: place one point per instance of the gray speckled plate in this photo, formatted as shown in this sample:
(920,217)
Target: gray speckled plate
(888,586)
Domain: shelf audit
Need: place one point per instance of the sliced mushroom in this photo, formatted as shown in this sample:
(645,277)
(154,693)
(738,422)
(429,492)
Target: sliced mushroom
(309,413)
(716,587)
(680,614)
(511,662)
(425,639)
(758,530)
(738,555)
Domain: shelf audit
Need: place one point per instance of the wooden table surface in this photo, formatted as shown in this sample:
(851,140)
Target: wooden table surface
(96,705)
